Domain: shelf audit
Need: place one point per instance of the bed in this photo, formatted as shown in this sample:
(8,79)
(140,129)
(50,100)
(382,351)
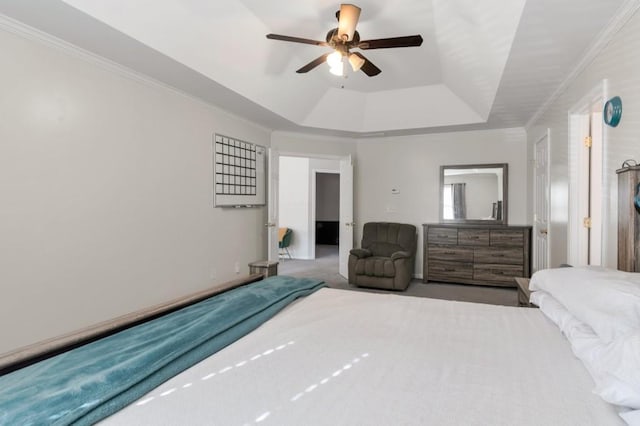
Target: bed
(344,357)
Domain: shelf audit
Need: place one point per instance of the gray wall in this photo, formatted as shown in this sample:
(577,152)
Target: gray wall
(411,165)
(619,63)
(106,194)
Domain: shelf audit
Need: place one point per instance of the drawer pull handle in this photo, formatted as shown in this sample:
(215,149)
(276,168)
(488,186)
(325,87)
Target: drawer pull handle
(449,270)
(449,252)
(474,237)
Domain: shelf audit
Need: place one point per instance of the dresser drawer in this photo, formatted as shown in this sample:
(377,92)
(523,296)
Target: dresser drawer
(503,274)
(506,255)
(507,237)
(453,254)
(442,235)
(473,237)
(449,271)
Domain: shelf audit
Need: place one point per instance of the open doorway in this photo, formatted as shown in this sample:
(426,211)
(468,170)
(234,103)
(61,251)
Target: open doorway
(327,215)
(311,202)
(309,192)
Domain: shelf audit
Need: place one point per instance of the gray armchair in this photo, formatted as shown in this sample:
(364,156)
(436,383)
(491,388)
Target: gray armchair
(386,258)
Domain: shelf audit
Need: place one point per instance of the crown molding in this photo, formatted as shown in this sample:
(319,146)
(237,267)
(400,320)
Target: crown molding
(22,30)
(27,32)
(622,16)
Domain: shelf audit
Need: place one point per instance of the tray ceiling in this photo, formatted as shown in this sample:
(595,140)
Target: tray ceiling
(482,64)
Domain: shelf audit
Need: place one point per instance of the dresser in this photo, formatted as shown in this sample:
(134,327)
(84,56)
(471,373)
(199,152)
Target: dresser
(476,254)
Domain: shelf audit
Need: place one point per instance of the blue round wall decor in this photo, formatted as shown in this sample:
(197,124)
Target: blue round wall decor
(636,198)
(612,111)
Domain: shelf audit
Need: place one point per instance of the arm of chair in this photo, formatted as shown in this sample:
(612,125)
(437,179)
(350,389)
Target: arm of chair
(360,253)
(401,255)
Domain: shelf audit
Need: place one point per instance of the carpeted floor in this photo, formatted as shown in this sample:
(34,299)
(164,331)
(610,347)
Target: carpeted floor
(325,267)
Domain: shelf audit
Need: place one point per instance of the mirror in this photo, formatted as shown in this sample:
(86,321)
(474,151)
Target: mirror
(474,193)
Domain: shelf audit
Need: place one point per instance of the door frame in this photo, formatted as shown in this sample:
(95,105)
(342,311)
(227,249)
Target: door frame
(273,219)
(577,237)
(271,225)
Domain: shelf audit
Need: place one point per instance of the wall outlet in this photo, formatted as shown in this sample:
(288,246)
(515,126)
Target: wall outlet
(237,267)
(213,273)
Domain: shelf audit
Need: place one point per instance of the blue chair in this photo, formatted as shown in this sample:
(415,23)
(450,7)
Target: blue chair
(284,235)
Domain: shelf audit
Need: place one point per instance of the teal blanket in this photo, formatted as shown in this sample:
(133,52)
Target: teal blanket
(93,381)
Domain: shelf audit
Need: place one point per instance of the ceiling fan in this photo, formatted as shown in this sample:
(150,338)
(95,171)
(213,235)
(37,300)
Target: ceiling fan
(343,39)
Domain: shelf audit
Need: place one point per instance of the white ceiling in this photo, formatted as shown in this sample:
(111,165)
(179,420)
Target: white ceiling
(483,64)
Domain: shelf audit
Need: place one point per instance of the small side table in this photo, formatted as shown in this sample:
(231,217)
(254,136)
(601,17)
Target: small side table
(524,293)
(264,267)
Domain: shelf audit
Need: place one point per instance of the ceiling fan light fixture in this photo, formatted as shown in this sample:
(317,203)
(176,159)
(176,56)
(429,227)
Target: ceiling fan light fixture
(343,39)
(356,62)
(349,15)
(334,59)
(337,69)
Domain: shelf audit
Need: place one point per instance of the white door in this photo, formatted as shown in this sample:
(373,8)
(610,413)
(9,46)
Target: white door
(272,205)
(541,205)
(346,214)
(584,189)
(586,210)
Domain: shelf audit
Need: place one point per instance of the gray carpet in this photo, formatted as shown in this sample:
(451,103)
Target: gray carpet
(325,267)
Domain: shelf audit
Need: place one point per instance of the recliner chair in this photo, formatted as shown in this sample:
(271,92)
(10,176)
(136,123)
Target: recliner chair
(386,258)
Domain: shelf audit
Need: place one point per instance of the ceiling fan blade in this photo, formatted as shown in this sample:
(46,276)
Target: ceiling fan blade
(347,21)
(296,39)
(368,68)
(311,65)
(385,43)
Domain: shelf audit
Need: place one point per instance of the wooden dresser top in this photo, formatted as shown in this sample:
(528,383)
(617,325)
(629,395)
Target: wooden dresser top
(477,226)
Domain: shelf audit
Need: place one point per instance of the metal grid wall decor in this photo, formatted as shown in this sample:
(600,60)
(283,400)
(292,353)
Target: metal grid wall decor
(239,172)
(235,167)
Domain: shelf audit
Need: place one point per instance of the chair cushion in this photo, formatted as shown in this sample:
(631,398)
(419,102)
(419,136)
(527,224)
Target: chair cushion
(384,249)
(386,238)
(376,266)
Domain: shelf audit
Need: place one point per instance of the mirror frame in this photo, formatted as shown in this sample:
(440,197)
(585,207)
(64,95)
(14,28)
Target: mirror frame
(505,188)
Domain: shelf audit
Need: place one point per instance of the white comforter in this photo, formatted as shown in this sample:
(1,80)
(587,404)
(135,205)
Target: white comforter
(351,358)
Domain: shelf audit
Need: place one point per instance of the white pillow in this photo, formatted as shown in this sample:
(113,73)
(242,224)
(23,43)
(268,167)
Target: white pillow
(614,366)
(619,364)
(584,341)
(607,300)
